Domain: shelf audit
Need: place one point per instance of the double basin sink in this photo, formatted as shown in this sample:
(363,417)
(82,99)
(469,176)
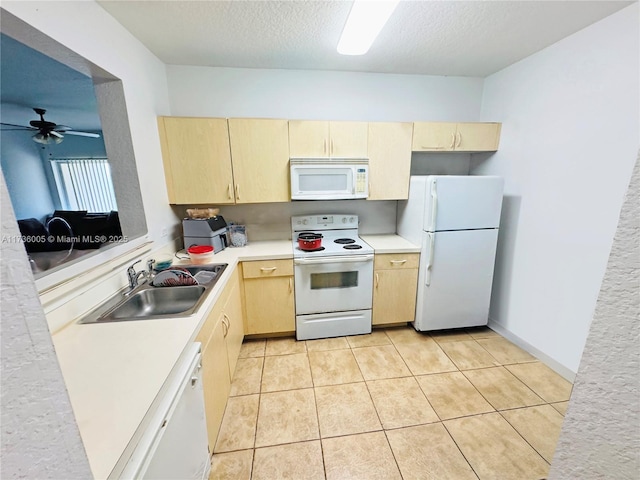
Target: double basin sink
(147,302)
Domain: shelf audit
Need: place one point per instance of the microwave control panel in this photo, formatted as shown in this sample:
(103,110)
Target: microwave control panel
(361,180)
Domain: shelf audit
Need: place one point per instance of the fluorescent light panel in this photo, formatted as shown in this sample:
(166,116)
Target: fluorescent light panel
(366,19)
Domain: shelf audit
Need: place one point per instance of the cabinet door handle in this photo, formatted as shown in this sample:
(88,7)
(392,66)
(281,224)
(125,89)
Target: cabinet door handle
(397,262)
(225,325)
(230,192)
(237,191)
(268,269)
(377,279)
(459,139)
(453,140)
(290,285)
(331,147)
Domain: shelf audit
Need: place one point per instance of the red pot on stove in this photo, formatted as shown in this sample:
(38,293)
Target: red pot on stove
(309,241)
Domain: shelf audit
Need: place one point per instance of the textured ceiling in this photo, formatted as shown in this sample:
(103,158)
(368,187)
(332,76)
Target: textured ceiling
(468,38)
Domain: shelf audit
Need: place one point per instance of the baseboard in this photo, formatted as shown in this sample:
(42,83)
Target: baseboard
(543,357)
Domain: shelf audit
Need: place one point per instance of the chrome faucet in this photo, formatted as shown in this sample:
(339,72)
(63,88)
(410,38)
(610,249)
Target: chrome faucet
(134,277)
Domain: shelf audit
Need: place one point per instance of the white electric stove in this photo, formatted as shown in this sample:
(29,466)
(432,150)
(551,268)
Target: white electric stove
(334,283)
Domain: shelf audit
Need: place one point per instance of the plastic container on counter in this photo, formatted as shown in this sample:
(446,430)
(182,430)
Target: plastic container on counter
(200,254)
(163,262)
(238,235)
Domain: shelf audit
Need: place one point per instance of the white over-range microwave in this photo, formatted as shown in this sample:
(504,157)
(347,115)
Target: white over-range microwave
(329,178)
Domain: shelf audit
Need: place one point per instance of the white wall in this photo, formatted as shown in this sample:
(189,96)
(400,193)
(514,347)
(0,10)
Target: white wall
(322,95)
(569,142)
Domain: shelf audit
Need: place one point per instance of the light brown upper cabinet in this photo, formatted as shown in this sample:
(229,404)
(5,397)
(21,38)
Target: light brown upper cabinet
(455,137)
(260,157)
(197,160)
(389,160)
(321,139)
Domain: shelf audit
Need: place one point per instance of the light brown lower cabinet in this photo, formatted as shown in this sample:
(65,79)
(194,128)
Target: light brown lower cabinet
(394,288)
(232,315)
(269,297)
(216,381)
(221,337)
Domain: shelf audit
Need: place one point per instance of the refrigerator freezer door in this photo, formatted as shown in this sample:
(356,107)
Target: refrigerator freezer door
(462,202)
(455,291)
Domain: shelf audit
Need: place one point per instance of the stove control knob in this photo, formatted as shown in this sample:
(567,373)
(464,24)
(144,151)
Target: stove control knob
(351,220)
(305,221)
(344,219)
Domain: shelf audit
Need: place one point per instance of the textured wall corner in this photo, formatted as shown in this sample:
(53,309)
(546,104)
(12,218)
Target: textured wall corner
(40,438)
(601,433)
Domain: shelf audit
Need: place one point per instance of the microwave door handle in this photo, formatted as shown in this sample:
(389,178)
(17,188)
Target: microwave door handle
(329,260)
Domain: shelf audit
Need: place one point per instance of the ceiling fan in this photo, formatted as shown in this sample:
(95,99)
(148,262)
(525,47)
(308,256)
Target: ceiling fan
(47,132)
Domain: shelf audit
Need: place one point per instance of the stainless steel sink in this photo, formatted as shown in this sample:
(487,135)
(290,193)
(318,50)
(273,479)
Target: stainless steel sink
(152,302)
(148,302)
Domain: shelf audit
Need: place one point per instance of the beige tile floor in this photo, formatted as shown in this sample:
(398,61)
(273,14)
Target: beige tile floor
(395,404)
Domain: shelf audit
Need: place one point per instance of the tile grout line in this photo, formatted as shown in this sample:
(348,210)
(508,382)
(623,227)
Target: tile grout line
(315,402)
(378,413)
(461,452)
(523,437)
(442,421)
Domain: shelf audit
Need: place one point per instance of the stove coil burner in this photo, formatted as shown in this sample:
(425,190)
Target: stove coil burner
(344,241)
(352,247)
(314,250)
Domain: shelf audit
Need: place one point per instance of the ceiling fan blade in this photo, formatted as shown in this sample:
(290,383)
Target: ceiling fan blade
(19,126)
(55,134)
(82,134)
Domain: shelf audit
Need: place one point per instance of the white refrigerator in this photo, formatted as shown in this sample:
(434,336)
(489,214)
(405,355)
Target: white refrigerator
(455,219)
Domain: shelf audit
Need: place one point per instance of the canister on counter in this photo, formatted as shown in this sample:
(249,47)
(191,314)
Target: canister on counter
(238,235)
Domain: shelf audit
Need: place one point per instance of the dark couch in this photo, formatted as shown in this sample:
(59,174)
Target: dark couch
(89,231)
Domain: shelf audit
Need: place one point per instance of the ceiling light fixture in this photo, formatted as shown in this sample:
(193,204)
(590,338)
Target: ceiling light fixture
(366,19)
(47,138)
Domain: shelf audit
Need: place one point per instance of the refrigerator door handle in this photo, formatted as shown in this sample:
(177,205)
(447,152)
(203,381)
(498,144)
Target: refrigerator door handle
(432,243)
(434,205)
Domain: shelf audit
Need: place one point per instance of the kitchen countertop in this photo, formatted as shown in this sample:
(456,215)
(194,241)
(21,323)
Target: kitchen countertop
(390,244)
(114,371)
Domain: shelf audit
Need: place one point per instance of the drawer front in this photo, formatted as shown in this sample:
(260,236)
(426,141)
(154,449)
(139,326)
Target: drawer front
(267,268)
(390,261)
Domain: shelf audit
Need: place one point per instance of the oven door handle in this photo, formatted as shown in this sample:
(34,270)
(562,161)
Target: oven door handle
(334,260)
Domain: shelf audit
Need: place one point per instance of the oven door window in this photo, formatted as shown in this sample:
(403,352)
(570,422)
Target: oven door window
(321,281)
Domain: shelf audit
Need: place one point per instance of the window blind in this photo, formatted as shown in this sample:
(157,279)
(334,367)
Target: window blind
(84,184)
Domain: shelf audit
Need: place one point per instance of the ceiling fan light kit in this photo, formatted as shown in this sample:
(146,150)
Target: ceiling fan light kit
(365,21)
(47,138)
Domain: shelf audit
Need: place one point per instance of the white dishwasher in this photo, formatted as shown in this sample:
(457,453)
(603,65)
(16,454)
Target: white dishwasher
(174,444)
